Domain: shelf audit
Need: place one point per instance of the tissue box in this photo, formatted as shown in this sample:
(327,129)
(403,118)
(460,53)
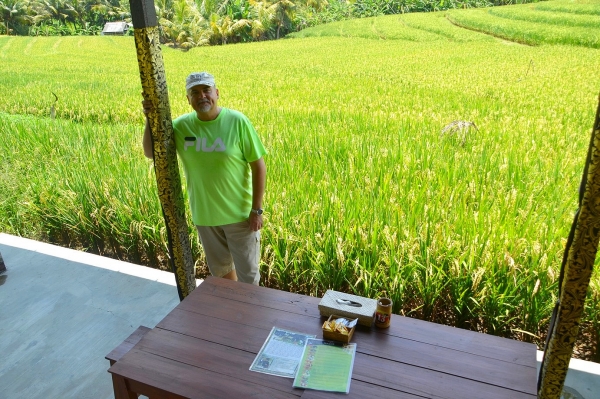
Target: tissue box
(348,305)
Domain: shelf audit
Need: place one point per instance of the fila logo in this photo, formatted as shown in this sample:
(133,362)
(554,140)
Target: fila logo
(200,145)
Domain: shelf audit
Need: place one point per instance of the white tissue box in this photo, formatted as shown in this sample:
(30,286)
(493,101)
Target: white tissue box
(348,305)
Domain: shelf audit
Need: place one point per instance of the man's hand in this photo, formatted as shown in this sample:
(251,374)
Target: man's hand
(259,177)
(147,107)
(147,140)
(256,221)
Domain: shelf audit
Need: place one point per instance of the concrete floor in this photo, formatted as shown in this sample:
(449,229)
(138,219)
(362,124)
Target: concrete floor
(62,311)
(583,379)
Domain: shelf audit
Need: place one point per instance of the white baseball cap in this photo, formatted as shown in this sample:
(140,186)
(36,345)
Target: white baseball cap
(199,78)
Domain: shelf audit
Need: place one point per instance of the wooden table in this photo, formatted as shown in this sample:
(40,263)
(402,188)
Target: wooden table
(204,347)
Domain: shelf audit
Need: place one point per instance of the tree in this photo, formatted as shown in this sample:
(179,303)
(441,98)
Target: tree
(187,28)
(282,14)
(317,5)
(58,10)
(262,19)
(14,16)
(207,7)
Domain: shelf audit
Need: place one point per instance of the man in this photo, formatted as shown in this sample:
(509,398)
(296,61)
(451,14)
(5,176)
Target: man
(218,148)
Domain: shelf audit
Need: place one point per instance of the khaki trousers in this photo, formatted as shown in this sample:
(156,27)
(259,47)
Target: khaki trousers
(232,247)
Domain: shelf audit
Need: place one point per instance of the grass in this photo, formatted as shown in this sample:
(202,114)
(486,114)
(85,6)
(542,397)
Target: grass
(587,7)
(556,22)
(365,192)
(534,14)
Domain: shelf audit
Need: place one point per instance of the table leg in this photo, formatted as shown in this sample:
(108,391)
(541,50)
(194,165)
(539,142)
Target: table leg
(120,388)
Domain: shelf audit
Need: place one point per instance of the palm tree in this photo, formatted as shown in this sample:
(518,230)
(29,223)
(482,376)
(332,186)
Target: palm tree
(99,12)
(14,16)
(164,9)
(261,17)
(282,14)
(317,5)
(58,10)
(207,7)
(221,28)
(187,28)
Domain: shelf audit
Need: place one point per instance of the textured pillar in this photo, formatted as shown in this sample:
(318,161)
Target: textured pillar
(154,85)
(578,264)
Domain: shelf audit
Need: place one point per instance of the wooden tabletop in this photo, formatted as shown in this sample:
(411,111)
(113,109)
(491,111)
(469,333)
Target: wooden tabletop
(205,346)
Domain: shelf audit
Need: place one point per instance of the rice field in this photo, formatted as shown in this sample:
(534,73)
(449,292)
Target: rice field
(367,191)
(553,22)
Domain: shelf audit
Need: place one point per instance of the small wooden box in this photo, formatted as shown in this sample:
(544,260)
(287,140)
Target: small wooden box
(336,336)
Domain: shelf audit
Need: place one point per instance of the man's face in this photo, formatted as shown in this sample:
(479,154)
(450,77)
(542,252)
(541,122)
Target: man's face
(203,98)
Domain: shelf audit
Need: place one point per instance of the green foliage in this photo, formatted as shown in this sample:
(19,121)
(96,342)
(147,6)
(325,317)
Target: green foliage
(367,192)
(59,17)
(14,16)
(372,8)
(109,216)
(55,28)
(192,23)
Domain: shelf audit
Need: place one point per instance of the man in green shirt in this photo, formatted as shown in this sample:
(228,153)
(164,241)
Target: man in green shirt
(222,159)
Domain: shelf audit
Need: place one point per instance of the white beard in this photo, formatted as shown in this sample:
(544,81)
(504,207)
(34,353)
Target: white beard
(204,107)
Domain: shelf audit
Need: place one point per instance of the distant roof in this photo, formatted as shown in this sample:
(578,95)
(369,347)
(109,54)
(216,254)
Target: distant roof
(115,28)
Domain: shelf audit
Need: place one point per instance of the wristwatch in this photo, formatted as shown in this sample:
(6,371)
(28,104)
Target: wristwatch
(258,211)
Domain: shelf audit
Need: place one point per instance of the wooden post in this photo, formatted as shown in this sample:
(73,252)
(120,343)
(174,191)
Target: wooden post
(578,264)
(168,182)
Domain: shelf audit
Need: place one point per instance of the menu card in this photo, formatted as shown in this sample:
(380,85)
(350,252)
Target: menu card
(281,353)
(326,366)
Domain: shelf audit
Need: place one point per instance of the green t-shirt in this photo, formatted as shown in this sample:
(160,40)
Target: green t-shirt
(215,157)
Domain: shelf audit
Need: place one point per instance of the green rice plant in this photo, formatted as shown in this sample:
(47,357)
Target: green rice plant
(83,89)
(438,23)
(533,33)
(390,27)
(365,193)
(589,7)
(84,185)
(534,14)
